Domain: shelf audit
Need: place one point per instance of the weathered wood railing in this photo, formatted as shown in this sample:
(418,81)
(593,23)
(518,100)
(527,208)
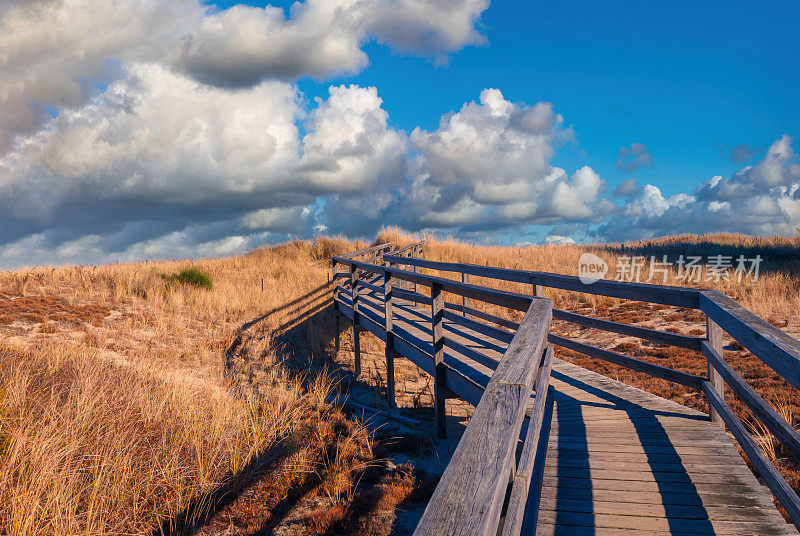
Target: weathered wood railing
(771,345)
(351,282)
(472,490)
(485,459)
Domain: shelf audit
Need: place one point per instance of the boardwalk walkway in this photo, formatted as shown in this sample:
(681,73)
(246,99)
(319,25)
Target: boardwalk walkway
(619,460)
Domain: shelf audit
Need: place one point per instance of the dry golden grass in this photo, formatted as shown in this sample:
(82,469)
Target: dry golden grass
(125,400)
(119,407)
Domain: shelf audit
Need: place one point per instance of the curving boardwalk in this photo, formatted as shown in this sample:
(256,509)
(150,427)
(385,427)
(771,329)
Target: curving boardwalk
(614,460)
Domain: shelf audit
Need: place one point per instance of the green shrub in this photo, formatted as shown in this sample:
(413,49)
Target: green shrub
(190,276)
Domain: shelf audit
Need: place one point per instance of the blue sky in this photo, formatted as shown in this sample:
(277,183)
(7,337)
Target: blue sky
(681,77)
(179,128)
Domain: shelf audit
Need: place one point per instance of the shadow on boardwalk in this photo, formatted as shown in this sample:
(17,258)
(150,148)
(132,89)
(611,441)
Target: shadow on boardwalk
(575,494)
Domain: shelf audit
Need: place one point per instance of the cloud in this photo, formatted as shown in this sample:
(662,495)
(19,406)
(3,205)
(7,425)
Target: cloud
(762,199)
(60,53)
(634,157)
(779,168)
(427,28)
(488,165)
(485,169)
(159,153)
(54,53)
(559,239)
(349,146)
(627,188)
(738,154)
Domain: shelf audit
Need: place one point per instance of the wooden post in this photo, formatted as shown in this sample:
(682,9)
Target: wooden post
(356,319)
(714,336)
(336,291)
(537,290)
(416,285)
(437,306)
(335,331)
(465,301)
(390,351)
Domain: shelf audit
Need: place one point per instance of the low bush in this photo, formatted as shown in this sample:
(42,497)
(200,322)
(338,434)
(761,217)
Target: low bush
(190,276)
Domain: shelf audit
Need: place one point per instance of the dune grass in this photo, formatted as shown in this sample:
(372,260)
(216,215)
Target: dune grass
(119,404)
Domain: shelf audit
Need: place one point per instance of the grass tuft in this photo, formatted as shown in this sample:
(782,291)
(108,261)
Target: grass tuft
(190,276)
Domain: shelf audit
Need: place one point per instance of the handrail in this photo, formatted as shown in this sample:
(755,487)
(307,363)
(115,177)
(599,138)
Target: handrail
(365,251)
(663,294)
(523,508)
(774,347)
(484,458)
(413,248)
(770,344)
(776,483)
(513,300)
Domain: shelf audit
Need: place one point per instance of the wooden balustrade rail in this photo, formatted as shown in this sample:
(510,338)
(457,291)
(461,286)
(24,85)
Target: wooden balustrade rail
(484,460)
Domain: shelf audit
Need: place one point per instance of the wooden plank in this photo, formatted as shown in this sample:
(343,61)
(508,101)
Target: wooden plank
(782,430)
(673,511)
(672,441)
(510,324)
(346,310)
(644,524)
(714,340)
(548,529)
(373,327)
(531,518)
(513,300)
(414,354)
(661,498)
(629,486)
(465,387)
(725,478)
(663,294)
(439,385)
(683,467)
(465,301)
(780,488)
(643,457)
(483,458)
(359,252)
(354,276)
(471,353)
(410,248)
(521,486)
(411,296)
(388,283)
(768,343)
(689,380)
(370,286)
(682,341)
(480,327)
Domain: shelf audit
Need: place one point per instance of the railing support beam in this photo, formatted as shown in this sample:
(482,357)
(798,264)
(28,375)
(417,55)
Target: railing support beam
(336,344)
(390,351)
(714,336)
(465,300)
(356,326)
(439,387)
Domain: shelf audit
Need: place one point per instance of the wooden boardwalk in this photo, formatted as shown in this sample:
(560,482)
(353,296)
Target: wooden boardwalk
(621,460)
(617,460)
